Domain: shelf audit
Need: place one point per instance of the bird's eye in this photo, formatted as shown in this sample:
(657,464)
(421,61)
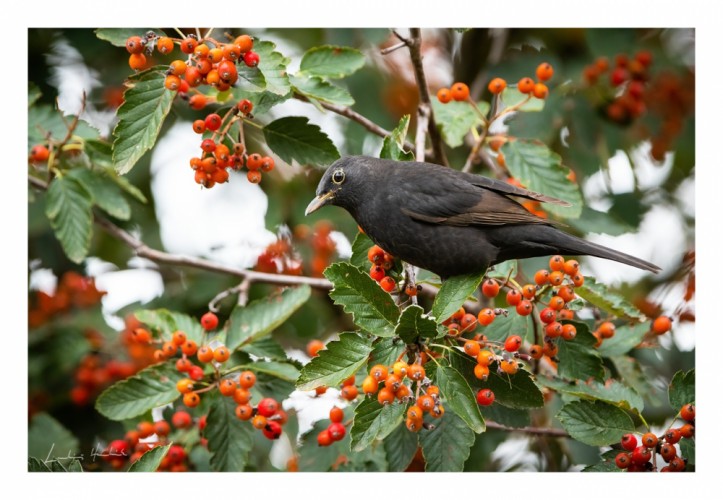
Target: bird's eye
(338,176)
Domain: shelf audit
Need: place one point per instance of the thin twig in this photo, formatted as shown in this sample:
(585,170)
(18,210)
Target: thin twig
(415,44)
(354,116)
(241,287)
(394,47)
(535,431)
(422,124)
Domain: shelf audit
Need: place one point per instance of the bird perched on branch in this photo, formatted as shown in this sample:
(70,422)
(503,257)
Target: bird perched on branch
(446,221)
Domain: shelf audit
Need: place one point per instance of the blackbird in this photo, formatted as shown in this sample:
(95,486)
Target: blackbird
(446,221)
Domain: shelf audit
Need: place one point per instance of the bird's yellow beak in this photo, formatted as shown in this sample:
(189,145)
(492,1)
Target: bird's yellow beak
(319,202)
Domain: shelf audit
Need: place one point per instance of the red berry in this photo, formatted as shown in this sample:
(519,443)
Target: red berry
(548,315)
(513,297)
(662,324)
(336,414)
(267,407)
(622,460)
(253,176)
(641,455)
(485,397)
(181,419)
(209,321)
(649,440)
(513,343)
(272,430)
(251,59)
(208,145)
(629,442)
(524,308)
(377,273)
(673,436)
(486,316)
(213,122)
(388,284)
(687,412)
(618,76)
(195,372)
(39,153)
(490,288)
(337,431)
(324,438)
(176,454)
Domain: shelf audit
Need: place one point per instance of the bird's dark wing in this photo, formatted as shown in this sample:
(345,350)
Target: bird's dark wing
(441,198)
(508,189)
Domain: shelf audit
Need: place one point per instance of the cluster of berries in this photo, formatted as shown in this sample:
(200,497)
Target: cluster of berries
(94,373)
(73,291)
(209,61)
(388,384)
(348,389)
(216,157)
(129,449)
(382,266)
(335,431)
(527,85)
(638,458)
(280,257)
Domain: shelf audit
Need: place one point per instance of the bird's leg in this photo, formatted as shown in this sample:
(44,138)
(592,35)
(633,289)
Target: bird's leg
(410,273)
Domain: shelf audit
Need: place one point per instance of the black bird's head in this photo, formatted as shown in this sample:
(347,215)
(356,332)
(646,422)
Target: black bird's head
(343,184)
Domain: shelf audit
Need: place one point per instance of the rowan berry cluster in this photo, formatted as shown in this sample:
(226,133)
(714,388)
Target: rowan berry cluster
(336,429)
(383,270)
(458,92)
(73,291)
(129,449)
(280,257)
(388,384)
(637,458)
(209,61)
(527,85)
(94,373)
(554,285)
(629,73)
(217,157)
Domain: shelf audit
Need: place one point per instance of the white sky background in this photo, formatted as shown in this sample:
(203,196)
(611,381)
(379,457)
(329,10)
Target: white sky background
(704,16)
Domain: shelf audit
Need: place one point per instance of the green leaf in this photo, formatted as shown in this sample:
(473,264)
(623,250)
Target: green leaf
(446,447)
(49,440)
(229,439)
(578,358)
(329,61)
(456,119)
(265,348)
(459,397)
(118,36)
(506,416)
(316,88)
(512,324)
(272,66)
(625,339)
(149,388)
(283,371)
(263,101)
(250,81)
(36,465)
(503,270)
(167,322)
(359,249)
(75,466)
(269,386)
(687,450)
(43,120)
(261,317)
(34,93)
(515,391)
(631,371)
(150,460)
(611,391)
(595,423)
(294,138)
(611,302)
(400,447)
(393,145)
(453,294)
(594,221)
(413,324)
(337,362)
(104,192)
(540,169)
(145,106)
(371,307)
(386,351)
(605,466)
(681,390)
(126,186)
(511,96)
(373,421)
(68,206)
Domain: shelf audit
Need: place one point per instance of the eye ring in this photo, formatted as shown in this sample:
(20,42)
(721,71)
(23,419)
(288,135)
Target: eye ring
(338,176)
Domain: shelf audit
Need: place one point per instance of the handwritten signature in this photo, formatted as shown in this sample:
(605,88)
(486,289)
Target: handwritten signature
(96,451)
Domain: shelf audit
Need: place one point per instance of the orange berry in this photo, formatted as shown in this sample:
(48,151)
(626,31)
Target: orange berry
(241,395)
(400,369)
(536,351)
(426,403)
(485,357)
(349,392)
(179,337)
(509,366)
(496,143)
(542,277)
(526,85)
(386,396)
(244,412)
(481,371)
(145,429)
(164,45)
(416,372)
(486,316)
(370,385)
(540,91)
(578,279)
(227,387)
(606,330)
(244,42)
(472,348)
(569,332)
(221,354)
(459,91)
(529,291)
(662,324)
(444,95)
(468,322)
(189,348)
(205,354)
(388,284)
(544,72)
(556,278)
(259,422)
(191,399)
(188,45)
(253,176)
(169,349)
(135,45)
(379,372)
(557,263)
(566,293)
(556,303)
(137,61)
(497,85)
(571,267)
(336,414)
(185,385)
(687,412)
(403,393)
(313,347)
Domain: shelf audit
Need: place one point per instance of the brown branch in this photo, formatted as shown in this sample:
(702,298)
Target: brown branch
(534,431)
(415,44)
(393,48)
(422,124)
(354,116)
